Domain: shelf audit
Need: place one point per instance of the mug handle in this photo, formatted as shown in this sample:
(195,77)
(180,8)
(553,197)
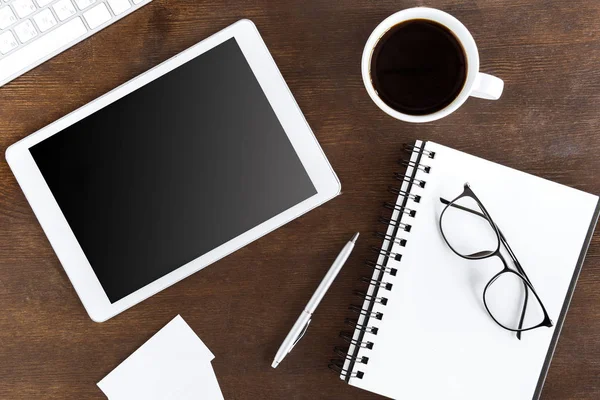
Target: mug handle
(487,87)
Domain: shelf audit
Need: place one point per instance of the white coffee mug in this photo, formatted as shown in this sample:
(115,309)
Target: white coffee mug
(477,84)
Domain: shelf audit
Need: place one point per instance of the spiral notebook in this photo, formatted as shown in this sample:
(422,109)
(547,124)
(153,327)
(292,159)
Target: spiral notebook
(422,331)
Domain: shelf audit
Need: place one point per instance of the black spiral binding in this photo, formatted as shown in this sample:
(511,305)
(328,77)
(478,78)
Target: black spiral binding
(380,286)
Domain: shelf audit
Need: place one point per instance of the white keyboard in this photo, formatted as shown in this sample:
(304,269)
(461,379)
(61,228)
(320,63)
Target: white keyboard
(33,31)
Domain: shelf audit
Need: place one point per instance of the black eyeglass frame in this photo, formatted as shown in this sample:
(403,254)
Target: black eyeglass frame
(501,240)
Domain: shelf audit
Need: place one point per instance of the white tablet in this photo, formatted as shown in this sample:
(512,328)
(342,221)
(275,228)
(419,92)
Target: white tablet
(172,171)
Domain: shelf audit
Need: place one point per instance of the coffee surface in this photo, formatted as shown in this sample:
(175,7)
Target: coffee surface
(418,67)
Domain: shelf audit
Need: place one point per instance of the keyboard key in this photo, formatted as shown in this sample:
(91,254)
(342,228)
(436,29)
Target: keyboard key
(25,30)
(119,6)
(7,17)
(23,7)
(42,3)
(64,9)
(44,20)
(83,4)
(41,48)
(7,42)
(97,15)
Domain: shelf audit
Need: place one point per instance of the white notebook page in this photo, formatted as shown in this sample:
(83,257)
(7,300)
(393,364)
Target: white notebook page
(435,340)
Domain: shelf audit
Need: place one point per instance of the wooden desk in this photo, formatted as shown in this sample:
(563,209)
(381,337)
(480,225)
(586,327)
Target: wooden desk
(546,123)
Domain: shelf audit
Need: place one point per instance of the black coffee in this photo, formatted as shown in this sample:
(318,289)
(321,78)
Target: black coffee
(418,67)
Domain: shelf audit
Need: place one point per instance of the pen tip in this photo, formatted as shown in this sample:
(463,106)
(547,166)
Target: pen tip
(275,364)
(353,240)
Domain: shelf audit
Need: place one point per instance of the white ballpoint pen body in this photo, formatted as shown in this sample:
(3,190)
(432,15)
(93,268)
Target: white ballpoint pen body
(303,321)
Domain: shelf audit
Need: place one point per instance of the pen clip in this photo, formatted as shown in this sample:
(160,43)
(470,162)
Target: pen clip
(300,336)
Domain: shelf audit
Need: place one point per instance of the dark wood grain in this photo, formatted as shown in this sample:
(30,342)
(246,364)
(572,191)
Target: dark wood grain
(547,123)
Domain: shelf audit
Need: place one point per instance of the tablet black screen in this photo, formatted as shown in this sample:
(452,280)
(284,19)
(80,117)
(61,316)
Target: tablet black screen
(172,170)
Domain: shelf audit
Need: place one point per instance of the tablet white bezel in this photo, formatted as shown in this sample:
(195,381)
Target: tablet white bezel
(62,238)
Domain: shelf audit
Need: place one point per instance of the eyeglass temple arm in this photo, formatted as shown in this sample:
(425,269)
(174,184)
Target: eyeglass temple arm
(510,252)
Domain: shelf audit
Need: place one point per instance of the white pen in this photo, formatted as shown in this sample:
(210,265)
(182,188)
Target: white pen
(299,328)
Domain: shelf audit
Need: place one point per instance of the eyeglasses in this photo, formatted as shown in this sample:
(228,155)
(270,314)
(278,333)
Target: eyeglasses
(470,232)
